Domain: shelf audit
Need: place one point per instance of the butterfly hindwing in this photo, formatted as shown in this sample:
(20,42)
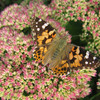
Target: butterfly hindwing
(80,58)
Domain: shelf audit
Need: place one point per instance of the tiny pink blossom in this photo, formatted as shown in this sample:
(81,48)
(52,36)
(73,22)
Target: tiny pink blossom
(88,28)
(38,86)
(43,83)
(48,98)
(67,88)
(93,12)
(26,87)
(91,1)
(96,26)
(97,34)
(98,83)
(93,31)
(34,96)
(40,95)
(79,18)
(95,19)
(98,23)
(96,3)
(88,17)
(60,11)
(27,98)
(60,86)
(32,91)
(61,98)
(29,83)
(71,14)
(79,8)
(18,95)
(46,90)
(18,83)
(65,0)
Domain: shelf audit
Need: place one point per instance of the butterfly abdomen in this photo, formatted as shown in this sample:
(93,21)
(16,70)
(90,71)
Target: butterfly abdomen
(56,53)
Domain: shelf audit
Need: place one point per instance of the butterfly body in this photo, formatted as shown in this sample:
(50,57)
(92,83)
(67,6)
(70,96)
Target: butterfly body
(57,52)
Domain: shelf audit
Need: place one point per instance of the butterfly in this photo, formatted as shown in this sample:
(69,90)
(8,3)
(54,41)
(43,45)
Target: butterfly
(52,49)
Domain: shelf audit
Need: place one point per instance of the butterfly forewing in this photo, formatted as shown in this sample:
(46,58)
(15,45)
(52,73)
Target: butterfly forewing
(43,32)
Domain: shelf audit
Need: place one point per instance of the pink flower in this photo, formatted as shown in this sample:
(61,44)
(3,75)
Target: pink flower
(43,83)
(48,98)
(96,3)
(61,98)
(18,95)
(40,95)
(95,19)
(97,34)
(67,88)
(71,14)
(46,90)
(5,93)
(79,8)
(98,83)
(6,83)
(88,17)
(91,1)
(26,87)
(1,89)
(29,83)
(34,96)
(38,86)
(18,83)
(79,18)
(60,86)
(88,28)
(65,0)
(35,87)
(32,91)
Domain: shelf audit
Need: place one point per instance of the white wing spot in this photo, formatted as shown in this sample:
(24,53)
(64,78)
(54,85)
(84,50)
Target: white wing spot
(46,24)
(86,56)
(68,73)
(87,53)
(38,29)
(86,62)
(40,20)
(92,61)
(43,26)
(94,58)
(36,22)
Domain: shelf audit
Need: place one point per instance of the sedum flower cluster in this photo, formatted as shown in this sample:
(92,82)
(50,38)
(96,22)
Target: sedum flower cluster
(21,78)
